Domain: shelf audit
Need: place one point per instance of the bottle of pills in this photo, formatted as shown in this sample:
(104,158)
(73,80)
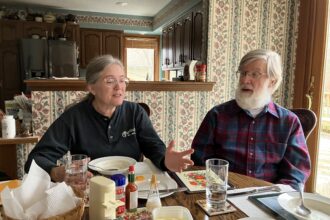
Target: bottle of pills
(8,126)
(120,181)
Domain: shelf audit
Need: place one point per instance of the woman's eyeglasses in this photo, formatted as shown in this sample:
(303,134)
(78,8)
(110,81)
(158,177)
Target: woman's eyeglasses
(112,82)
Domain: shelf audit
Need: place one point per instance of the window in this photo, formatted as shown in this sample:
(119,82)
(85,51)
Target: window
(141,58)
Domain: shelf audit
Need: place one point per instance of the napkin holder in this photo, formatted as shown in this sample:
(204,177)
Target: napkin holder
(75,213)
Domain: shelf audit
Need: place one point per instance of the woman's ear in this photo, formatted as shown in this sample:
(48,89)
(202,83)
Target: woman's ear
(90,89)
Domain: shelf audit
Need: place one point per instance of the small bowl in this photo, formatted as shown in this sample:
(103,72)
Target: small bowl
(171,212)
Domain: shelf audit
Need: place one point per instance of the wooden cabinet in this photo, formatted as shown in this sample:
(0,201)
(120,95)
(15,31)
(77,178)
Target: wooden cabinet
(10,77)
(186,38)
(112,43)
(178,34)
(39,28)
(95,42)
(91,45)
(11,81)
(182,40)
(197,35)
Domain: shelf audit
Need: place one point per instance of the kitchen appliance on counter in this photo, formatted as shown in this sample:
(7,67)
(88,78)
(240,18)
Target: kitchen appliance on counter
(48,58)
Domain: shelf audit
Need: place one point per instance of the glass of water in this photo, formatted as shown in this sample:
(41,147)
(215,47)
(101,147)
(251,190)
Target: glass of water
(76,172)
(216,183)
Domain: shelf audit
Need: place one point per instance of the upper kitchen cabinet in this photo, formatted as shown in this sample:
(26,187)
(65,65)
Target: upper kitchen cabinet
(197,35)
(168,47)
(10,31)
(96,42)
(52,30)
(91,45)
(10,78)
(36,28)
(182,40)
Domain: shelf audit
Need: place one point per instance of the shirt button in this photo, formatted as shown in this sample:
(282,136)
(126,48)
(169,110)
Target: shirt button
(253,122)
(111,137)
(250,171)
(251,138)
(251,154)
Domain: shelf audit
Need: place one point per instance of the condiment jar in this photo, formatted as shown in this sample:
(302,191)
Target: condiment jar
(120,181)
(201,72)
(8,126)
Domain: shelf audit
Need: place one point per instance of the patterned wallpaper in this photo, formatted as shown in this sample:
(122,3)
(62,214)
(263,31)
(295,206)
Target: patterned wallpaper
(235,27)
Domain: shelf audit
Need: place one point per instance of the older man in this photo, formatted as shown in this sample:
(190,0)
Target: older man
(258,137)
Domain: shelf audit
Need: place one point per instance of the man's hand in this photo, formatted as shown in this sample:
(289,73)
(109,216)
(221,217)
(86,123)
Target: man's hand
(177,161)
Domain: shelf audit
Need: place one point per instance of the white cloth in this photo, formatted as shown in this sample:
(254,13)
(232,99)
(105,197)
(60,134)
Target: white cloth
(38,197)
(249,208)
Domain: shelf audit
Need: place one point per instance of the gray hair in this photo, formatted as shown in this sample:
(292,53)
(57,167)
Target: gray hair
(273,60)
(97,65)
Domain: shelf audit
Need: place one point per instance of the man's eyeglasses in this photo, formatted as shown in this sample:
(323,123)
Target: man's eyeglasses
(112,82)
(253,75)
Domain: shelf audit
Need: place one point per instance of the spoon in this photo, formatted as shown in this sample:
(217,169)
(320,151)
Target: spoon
(302,209)
(103,169)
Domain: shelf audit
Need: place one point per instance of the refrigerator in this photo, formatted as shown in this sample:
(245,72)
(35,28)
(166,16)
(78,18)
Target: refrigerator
(48,58)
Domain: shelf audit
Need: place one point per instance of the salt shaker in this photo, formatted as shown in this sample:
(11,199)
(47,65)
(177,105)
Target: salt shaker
(8,125)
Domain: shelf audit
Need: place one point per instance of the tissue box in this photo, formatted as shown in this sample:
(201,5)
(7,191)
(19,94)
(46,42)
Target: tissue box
(73,214)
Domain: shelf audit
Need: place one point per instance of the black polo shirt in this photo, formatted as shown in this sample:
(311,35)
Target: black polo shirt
(82,130)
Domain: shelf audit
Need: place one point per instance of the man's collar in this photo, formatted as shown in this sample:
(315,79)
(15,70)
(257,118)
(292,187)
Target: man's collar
(271,108)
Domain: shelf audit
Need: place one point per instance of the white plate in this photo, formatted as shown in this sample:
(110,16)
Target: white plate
(319,205)
(112,162)
(164,182)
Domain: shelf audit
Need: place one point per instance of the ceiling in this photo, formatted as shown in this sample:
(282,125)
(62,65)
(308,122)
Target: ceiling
(147,8)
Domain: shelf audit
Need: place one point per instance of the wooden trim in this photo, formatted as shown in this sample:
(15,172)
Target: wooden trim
(142,41)
(310,60)
(80,85)
(19,140)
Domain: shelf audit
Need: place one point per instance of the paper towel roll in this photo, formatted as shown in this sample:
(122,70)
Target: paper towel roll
(192,69)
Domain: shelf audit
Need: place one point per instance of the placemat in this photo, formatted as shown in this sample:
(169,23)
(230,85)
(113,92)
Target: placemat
(269,203)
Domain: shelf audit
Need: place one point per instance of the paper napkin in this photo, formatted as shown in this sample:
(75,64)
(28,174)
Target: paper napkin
(38,197)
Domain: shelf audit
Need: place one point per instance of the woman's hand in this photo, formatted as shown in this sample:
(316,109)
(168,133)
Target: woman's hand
(177,161)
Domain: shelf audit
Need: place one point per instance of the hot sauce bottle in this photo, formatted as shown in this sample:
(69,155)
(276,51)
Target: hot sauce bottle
(131,191)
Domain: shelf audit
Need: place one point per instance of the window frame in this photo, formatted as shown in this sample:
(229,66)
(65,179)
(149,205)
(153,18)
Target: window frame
(143,42)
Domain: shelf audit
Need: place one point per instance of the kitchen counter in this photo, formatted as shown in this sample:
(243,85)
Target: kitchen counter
(80,84)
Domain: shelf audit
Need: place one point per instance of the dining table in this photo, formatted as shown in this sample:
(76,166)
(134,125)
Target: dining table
(188,200)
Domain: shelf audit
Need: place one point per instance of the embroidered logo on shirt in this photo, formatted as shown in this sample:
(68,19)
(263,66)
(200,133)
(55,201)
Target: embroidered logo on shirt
(130,132)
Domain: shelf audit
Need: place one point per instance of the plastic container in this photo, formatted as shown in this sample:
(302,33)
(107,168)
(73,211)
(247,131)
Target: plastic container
(120,181)
(8,125)
(173,212)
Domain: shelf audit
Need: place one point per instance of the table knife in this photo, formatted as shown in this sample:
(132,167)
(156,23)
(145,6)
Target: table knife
(255,191)
(179,189)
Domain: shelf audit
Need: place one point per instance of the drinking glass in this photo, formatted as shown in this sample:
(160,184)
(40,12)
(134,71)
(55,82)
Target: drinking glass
(76,173)
(216,183)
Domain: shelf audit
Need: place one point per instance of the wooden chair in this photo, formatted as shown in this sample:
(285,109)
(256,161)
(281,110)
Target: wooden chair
(145,107)
(307,119)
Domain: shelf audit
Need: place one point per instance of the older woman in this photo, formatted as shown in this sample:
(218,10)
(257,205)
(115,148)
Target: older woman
(104,124)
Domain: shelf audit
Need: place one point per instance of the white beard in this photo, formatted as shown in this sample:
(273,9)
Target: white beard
(254,101)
